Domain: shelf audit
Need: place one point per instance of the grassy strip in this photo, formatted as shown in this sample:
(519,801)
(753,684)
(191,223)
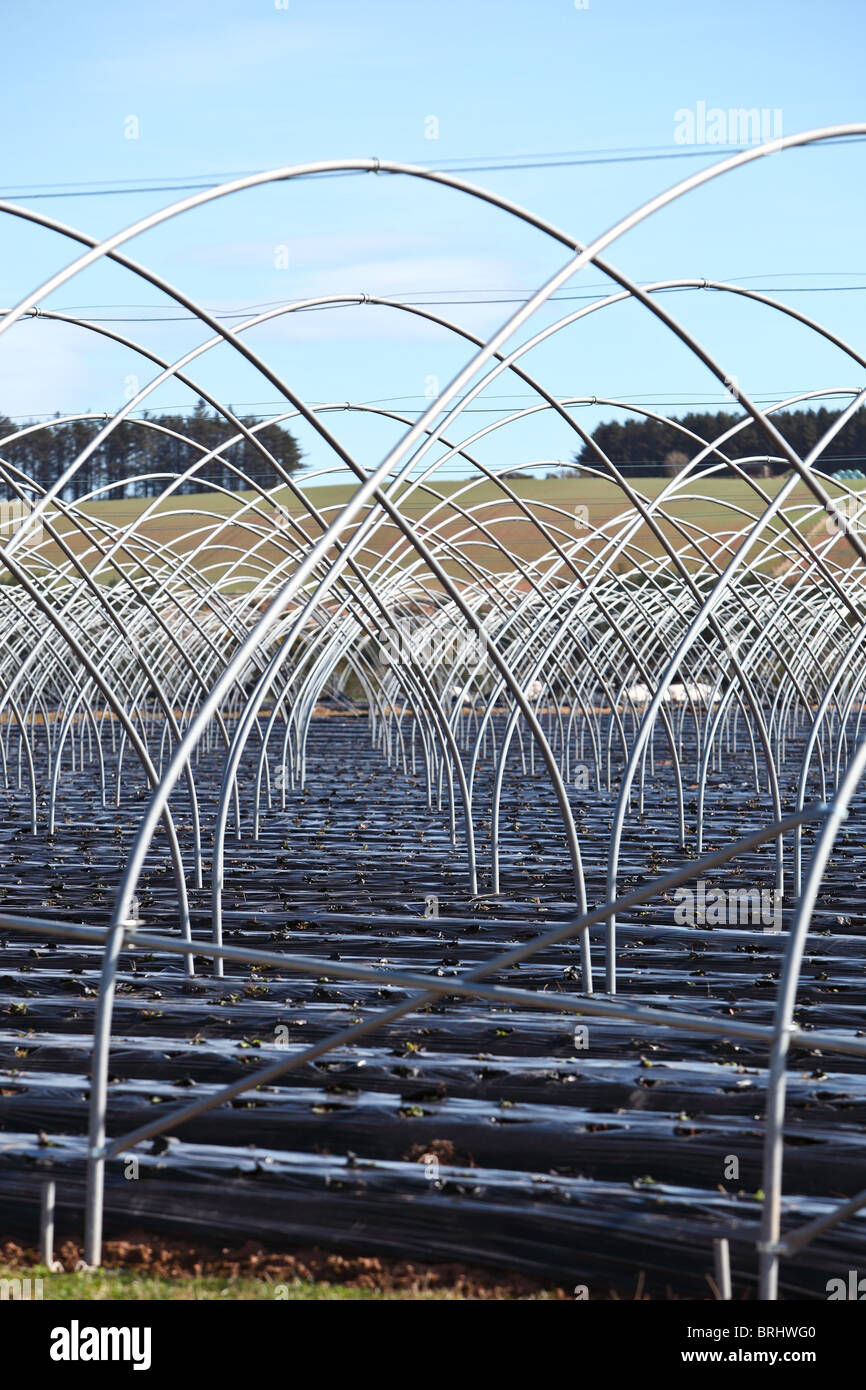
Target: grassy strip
(116,1285)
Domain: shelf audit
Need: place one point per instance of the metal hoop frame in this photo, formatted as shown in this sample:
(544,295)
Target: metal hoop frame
(159,649)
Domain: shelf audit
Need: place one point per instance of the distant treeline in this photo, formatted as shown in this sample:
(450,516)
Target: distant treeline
(647,446)
(135,447)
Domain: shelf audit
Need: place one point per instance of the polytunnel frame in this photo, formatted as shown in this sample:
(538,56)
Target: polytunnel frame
(654,506)
(783,1034)
(450,502)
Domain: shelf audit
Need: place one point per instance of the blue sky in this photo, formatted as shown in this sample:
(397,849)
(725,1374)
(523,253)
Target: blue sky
(227,86)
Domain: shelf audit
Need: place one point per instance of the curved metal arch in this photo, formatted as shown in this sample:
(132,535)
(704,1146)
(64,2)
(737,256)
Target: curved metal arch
(301,617)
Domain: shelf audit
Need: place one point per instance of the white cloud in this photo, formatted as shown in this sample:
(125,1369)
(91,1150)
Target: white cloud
(46,368)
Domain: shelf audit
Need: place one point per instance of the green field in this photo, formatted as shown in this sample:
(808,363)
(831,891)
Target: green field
(567,509)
